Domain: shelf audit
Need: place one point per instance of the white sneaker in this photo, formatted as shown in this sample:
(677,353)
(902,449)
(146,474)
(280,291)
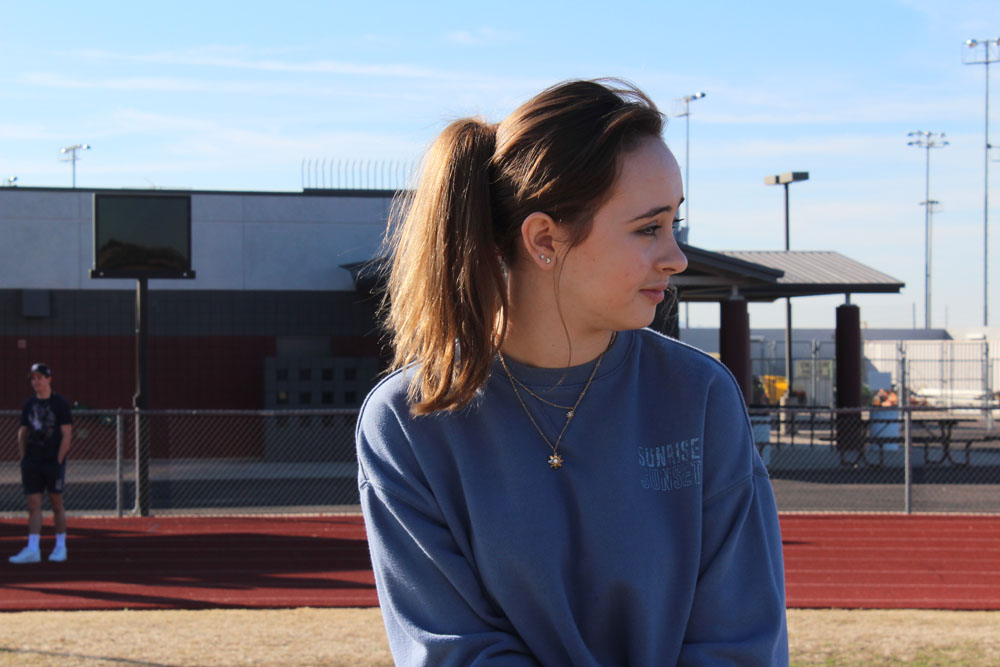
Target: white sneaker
(58,554)
(26,555)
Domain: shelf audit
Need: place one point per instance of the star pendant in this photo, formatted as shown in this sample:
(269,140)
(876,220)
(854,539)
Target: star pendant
(555,462)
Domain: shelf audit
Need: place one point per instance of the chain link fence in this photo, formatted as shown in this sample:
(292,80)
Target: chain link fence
(895,459)
(199,461)
(919,459)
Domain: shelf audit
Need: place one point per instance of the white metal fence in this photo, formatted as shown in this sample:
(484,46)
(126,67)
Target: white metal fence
(938,373)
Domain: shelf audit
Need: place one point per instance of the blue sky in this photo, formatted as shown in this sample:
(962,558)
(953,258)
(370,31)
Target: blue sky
(236,95)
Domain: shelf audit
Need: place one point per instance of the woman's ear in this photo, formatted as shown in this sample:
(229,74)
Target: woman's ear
(540,236)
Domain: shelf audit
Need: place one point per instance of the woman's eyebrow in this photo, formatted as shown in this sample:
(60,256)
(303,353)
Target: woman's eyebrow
(656,210)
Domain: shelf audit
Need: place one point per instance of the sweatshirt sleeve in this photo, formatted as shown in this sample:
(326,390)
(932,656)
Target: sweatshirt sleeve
(435,609)
(738,615)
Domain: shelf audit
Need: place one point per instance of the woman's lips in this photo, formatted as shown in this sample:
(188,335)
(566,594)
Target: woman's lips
(654,295)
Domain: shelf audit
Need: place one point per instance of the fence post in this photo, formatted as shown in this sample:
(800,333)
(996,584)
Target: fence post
(815,357)
(140,479)
(119,440)
(987,387)
(904,401)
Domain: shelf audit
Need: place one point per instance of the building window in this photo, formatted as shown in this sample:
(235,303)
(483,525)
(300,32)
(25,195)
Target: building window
(327,375)
(305,397)
(305,374)
(327,398)
(281,398)
(350,398)
(282,374)
(350,373)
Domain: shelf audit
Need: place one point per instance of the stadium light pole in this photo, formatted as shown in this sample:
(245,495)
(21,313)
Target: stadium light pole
(927,141)
(682,234)
(990,54)
(686,115)
(71,151)
(787,179)
(931,208)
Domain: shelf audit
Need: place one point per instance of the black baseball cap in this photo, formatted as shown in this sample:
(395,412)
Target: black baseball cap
(41,369)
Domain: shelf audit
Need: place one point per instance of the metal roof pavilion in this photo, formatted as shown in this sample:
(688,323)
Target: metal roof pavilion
(755,275)
(767,275)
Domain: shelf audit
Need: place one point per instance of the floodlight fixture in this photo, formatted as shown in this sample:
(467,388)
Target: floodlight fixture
(786,178)
(71,150)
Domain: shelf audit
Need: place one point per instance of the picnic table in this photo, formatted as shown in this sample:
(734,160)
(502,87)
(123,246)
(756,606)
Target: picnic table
(925,431)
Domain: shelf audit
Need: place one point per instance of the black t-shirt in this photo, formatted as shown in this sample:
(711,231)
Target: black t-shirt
(44,417)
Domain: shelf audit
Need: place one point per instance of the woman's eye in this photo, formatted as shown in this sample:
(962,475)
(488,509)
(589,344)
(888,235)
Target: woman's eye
(650,230)
(676,224)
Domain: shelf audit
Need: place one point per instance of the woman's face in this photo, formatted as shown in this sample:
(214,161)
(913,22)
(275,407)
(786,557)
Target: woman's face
(615,277)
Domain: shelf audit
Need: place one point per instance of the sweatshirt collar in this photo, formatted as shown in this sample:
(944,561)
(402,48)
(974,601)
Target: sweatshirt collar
(574,376)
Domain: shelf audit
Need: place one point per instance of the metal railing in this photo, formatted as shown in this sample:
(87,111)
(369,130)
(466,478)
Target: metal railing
(901,459)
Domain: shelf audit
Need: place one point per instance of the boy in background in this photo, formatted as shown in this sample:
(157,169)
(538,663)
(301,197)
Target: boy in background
(43,441)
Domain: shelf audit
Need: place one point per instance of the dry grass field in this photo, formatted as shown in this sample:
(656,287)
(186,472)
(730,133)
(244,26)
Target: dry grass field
(355,637)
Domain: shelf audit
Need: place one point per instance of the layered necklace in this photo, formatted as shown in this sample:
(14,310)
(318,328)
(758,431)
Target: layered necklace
(555,460)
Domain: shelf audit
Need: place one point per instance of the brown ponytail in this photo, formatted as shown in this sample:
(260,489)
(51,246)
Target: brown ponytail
(447,284)
(446,304)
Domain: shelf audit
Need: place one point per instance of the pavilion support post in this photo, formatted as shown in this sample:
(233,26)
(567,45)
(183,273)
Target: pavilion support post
(848,374)
(734,342)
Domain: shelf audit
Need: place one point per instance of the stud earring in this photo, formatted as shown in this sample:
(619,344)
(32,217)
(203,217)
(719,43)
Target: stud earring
(545,259)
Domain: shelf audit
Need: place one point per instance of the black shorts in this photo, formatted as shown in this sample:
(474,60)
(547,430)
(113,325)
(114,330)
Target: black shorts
(38,476)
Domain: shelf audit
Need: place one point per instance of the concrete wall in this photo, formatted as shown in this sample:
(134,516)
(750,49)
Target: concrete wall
(239,241)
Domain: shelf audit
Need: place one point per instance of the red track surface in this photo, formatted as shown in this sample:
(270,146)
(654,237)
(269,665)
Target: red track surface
(892,562)
(192,563)
(850,561)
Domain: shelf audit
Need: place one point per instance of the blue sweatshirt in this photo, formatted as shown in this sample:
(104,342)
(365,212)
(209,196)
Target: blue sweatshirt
(656,543)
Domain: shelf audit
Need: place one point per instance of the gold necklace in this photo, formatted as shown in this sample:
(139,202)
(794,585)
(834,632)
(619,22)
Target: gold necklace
(555,461)
(540,398)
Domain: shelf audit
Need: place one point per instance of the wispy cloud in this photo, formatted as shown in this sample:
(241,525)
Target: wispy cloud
(27,132)
(143,83)
(237,58)
(195,85)
(134,120)
(983,13)
(833,145)
(850,111)
(484,36)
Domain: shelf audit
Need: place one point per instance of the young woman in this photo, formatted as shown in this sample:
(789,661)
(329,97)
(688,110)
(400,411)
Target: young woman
(543,480)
